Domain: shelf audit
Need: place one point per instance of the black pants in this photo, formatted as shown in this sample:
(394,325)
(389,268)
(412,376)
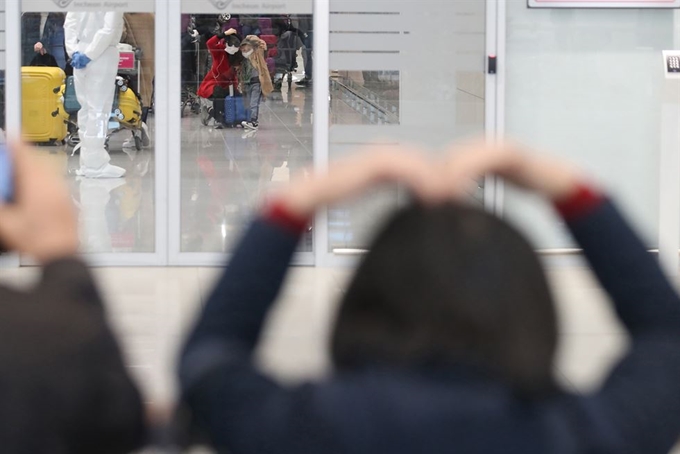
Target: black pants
(219,95)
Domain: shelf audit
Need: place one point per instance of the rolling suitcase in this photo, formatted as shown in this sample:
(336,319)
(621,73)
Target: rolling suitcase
(43,117)
(234,109)
(126,107)
(71,104)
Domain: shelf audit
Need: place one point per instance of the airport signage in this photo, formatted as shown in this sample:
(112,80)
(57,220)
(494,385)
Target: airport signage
(57,6)
(247,6)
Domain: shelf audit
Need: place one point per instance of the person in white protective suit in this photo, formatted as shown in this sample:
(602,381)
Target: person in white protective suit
(91,42)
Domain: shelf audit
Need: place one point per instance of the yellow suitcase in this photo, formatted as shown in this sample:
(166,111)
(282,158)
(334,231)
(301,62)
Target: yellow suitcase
(43,116)
(128,109)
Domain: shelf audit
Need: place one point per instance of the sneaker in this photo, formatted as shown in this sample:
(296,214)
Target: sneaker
(250,125)
(304,82)
(206,114)
(108,171)
(219,125)
(129,143)
(249,133)
(146,138)
(76,149)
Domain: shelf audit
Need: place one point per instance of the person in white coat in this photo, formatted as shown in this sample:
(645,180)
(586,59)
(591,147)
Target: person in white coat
(91,43)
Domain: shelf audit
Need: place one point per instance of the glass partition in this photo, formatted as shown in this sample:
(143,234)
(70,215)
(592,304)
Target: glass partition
(588,85)
(401,72)
(246,122)
(87,81)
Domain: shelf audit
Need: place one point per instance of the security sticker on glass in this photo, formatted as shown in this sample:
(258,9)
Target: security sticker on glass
(671,61)
(6,176)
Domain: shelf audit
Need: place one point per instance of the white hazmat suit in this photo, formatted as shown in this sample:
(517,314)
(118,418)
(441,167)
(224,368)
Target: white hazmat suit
(95,35)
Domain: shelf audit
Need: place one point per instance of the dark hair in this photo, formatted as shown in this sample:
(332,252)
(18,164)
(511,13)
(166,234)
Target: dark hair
(451,284)
(232,40)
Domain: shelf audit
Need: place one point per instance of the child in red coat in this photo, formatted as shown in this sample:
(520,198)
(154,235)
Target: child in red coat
(224,48)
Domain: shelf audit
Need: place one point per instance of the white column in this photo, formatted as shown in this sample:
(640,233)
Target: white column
(669,179)
(321,118)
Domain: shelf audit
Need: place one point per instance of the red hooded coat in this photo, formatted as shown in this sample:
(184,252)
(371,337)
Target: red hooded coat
(221,74)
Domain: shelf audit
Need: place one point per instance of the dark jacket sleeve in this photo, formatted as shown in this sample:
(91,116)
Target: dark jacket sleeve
(638,407)
(242,409)
(55,338)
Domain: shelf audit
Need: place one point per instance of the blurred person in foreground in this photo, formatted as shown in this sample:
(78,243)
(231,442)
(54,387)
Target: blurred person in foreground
(63,386)
(445,339)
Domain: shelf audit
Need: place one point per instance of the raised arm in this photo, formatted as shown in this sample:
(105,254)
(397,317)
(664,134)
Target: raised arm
(242,409)
(639,403)
(638,408)
(216,48)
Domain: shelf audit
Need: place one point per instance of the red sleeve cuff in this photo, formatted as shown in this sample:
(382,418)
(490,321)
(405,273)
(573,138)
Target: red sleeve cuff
(582,202)
(277,213)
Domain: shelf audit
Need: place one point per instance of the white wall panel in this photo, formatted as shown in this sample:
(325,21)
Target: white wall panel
(367,22)
(365,42)
(588,85)
(357,61)
(367,6)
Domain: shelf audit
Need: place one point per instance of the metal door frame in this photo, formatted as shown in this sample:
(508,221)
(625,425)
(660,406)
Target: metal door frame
(175,255)
(494,116)
(13,98)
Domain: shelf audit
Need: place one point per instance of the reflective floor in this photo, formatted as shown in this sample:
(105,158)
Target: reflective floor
(226,173)
(225,176)
(152,308)
(115,215)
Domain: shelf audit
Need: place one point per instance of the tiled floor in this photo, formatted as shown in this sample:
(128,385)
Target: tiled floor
(152,308)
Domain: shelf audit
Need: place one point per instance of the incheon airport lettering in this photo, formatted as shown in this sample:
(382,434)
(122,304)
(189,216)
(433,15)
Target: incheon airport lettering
(263,6)
(103,5)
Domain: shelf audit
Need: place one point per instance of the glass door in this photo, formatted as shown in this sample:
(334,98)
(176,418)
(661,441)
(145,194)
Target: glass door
(401,72)
(6,260)
(97,121)
(589,85)
(231,147)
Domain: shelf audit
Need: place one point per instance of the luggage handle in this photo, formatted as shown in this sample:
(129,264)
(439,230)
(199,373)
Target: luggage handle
(231,91)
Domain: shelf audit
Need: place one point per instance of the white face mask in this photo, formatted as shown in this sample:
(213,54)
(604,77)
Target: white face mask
(231,50)
(248,54)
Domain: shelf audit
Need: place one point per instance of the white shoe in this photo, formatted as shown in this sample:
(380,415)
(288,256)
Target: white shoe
(108,171)
(146,138)
(129,143)
(249,133)
(76,149)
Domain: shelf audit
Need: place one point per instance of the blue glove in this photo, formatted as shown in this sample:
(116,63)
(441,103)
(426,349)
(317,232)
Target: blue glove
(79,61)
(84,60)
(75,60)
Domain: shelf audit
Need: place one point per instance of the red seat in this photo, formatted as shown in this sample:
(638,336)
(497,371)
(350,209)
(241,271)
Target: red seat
(271,40)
